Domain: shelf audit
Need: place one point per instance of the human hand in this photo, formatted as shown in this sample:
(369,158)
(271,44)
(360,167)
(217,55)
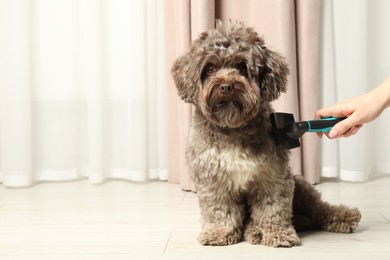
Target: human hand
(349,126)
(357,111)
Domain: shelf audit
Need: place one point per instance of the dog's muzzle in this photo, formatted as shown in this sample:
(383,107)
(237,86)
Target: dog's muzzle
(226,96)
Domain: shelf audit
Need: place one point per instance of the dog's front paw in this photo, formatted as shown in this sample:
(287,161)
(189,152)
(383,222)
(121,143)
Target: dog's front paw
(253,234)
(342,219)
(280,238)
(217,236)
(277,238)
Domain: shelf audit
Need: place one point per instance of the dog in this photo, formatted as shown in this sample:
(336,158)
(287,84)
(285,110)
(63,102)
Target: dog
(245,187)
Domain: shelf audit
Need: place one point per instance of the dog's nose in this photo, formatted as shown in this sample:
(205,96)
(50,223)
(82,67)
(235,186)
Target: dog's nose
(226,88)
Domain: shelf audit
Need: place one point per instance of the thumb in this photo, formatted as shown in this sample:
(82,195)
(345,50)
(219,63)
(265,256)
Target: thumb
(340,128)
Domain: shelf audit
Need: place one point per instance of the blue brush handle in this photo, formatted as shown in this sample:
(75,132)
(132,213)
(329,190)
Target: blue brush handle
(322,125)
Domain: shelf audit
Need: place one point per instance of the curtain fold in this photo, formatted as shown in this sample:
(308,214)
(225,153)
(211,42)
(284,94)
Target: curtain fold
(178,36)
(82,93)
(290,27)
(15,99)
(308,31)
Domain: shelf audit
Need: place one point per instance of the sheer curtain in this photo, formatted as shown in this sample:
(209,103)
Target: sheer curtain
(81,94)
(356,57)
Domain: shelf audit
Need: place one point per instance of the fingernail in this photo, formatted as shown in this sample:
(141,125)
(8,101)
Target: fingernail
(333,133)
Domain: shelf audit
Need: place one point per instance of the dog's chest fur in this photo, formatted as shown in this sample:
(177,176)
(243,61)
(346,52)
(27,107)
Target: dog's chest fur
(234,157)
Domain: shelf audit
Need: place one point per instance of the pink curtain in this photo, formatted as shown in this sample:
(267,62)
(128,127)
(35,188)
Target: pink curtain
(291,27)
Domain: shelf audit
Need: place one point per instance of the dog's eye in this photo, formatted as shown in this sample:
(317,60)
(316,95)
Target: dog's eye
(242,69)
(210,69)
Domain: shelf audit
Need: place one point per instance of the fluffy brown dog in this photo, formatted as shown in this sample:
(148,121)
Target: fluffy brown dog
(243,180)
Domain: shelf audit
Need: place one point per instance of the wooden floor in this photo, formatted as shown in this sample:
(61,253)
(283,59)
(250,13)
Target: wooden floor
(122,220)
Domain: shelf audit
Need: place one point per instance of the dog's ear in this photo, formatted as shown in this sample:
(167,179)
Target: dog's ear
(273,73)
(186,70)
(185,76)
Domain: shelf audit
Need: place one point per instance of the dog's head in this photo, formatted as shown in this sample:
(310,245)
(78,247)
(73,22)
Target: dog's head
(229,73)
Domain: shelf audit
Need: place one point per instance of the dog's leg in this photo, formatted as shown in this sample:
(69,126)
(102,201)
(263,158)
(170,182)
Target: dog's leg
(311,212)
(222,216)
(270,220)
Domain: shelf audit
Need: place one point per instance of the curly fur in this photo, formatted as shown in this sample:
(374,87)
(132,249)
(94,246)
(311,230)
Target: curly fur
(243,180)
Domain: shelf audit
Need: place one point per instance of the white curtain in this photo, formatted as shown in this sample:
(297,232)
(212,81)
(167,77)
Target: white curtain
(356,56)
(81,91)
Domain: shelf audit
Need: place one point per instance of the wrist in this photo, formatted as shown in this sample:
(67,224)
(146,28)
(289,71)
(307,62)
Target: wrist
(385,87)
(382,94)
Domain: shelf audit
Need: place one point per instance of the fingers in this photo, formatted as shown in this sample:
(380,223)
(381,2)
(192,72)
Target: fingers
(348,133)
(349,126)
(330,112)
(345,127)
(352,131)
(334,133)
